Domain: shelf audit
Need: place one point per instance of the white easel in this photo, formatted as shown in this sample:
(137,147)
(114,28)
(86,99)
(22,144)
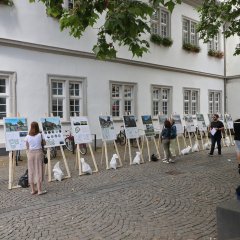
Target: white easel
(48,168)
(230,134)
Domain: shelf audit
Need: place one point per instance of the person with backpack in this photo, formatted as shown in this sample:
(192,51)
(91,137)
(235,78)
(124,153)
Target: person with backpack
(173,137)
(165,139)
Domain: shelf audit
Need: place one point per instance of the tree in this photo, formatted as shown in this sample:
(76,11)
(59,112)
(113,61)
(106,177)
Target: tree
(126,22)
(215,14)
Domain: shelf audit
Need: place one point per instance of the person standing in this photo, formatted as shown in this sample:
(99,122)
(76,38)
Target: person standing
(216,128)
(35,157)
(173,137)
(165,139)
(236,128)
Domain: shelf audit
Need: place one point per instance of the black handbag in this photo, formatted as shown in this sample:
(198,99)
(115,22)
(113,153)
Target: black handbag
(23,180)
(45,159)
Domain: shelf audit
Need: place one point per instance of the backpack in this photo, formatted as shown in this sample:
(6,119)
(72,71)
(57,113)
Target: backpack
(173,133)
(23,180)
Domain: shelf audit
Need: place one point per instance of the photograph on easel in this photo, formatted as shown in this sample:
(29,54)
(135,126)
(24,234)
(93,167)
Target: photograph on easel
(201,122)
(190,127)
(52,131)
(148,126)
(81,130)
(16,129)
(161,119)
(178,123)
(130,126)
(107,128)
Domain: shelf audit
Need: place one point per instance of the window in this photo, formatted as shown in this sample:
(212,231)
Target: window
(70,4)
(7,94)
(122,99)
(190,32)
(67,97)
(191,101)
(214,43)
(160,100)
(214,100)
(160,23)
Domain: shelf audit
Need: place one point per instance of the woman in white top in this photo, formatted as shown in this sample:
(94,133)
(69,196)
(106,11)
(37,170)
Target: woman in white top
(35,158)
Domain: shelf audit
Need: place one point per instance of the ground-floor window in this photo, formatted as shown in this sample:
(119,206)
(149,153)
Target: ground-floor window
(214,101)
(191,101)
(67,97)
(161,100)
(122,99)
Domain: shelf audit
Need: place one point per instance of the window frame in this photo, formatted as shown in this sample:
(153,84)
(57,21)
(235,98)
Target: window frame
(170,101)
(214,92)
(66,80)
(211,44)
(122,98)
(159,24)
(190,22)
(10,94)
(191,90)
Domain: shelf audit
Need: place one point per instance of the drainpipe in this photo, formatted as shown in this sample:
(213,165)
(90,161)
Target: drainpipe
(225,71)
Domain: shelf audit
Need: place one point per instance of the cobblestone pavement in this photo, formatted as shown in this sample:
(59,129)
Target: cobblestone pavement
(149,201)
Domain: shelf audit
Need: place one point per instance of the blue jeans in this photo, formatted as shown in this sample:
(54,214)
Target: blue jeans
(214,141)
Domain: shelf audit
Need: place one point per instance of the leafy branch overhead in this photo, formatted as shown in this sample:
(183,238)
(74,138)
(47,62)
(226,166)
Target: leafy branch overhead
(126,22)
(216,14)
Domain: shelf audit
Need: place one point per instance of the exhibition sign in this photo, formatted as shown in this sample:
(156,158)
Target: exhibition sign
(190,127)
(178,123)
(201,122)
(107,128)
(16,130)
(130,127)
(148,126)
(161,120)
(81,130)
(229,121)
(52,131)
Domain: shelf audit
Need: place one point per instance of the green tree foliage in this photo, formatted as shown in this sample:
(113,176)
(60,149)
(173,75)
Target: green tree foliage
(6,2)
(216,14)
(126,22)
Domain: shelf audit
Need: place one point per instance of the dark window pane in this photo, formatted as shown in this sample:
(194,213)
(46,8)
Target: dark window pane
(2,108)
(2,89)
(2,100)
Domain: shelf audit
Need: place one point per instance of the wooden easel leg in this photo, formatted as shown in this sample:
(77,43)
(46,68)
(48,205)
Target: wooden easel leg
(179,150)
(13,166)
(93,158)
(106,155)
(129,150)
(141,154)
(49,167)
(119,158)
(102,153)
(78,159)
(148,150)
(184,140)
(201,139)
(65,162)
(156,146)
(125,151)
(10,181)
(190,139)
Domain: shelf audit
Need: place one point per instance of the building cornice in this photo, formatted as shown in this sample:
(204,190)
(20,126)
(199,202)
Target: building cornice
(234,77)
(194,3)
(76,53)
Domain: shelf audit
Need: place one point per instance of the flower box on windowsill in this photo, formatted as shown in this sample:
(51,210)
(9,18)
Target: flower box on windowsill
(217,54)
(6,2)
(161,41)
(191,48)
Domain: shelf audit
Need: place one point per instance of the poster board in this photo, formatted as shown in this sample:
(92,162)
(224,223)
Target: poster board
(148,125)
(52,131)
(229,121)
(130,127)
(15,129)
(178,123)
(161,120)
(190,127)
(107,128)
(81,130)
(201,122)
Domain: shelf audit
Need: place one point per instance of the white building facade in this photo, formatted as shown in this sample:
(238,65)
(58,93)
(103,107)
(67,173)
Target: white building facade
(44,71)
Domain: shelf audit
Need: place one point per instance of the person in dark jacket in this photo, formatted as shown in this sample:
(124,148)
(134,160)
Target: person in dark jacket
(236,128)
(216,128)
(165,139)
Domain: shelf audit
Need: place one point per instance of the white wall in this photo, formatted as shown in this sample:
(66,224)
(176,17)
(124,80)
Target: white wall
(29,23)
(32,68)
